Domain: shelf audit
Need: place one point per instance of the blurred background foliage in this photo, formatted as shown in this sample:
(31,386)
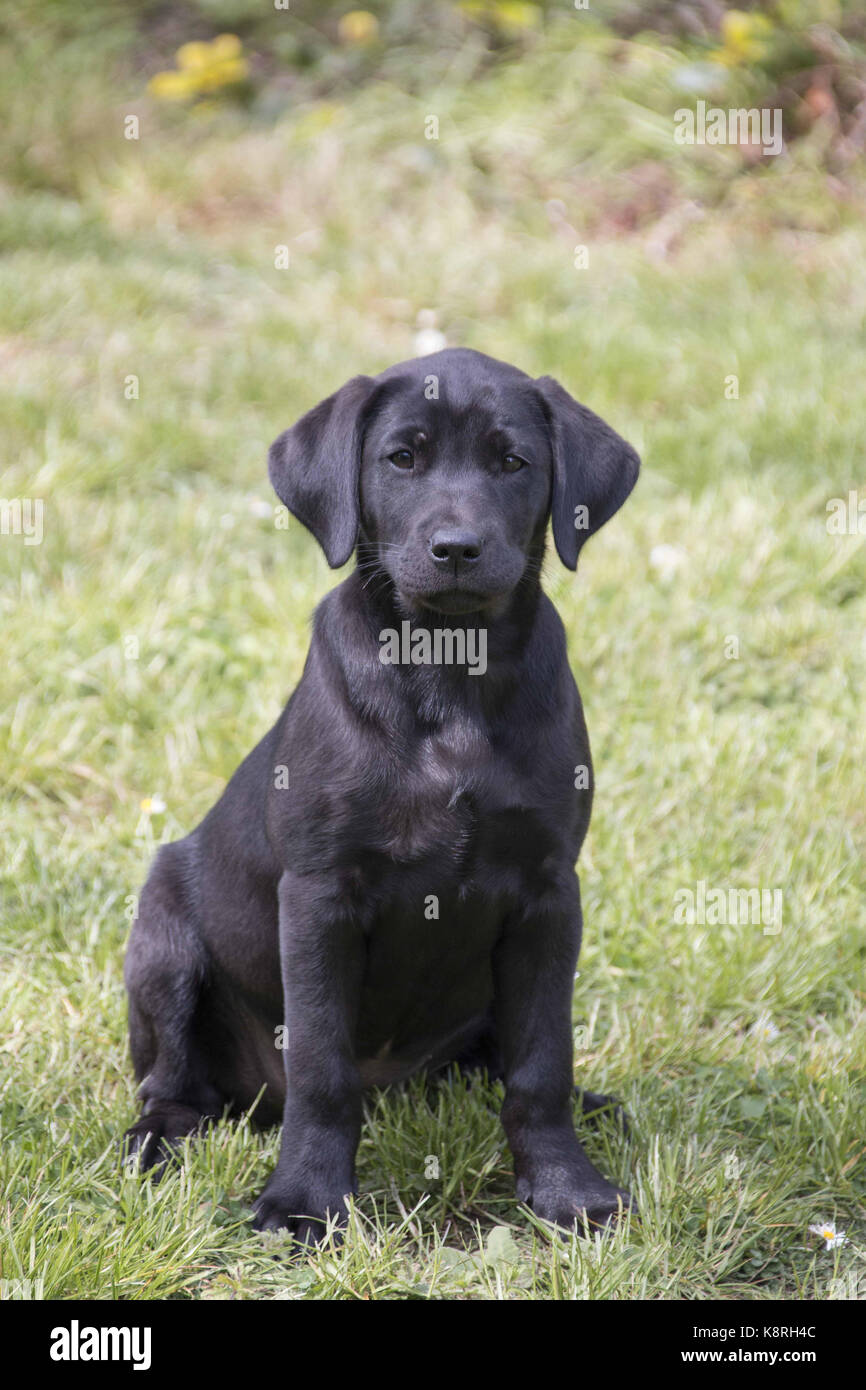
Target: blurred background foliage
(806,56)
(259,127)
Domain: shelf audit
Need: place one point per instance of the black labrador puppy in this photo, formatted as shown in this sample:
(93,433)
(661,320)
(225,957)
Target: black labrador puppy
(388,882)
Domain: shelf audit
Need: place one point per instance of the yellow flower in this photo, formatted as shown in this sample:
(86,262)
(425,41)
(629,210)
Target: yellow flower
(515,16)
(202,67)
(358,27)
(743,36)
(508,15)
(223,74)
(226,46)
(193,56)
(172,86)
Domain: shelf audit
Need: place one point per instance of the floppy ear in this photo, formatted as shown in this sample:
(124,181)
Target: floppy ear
(314,468)
(594,470)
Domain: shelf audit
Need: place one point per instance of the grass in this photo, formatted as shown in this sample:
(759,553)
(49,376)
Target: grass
(155,259)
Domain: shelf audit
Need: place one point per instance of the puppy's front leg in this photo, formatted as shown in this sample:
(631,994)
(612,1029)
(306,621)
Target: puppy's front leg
(322,960)
(533,978)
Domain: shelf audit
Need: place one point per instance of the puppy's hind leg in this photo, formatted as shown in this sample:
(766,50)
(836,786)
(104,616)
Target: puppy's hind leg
(166,975)
(482,1053)
(595,1106)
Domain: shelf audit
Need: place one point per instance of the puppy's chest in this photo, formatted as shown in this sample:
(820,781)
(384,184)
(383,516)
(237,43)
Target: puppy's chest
(460,805)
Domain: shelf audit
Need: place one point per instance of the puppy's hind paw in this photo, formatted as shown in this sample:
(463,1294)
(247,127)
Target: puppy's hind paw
(595,1106)
(154,1140)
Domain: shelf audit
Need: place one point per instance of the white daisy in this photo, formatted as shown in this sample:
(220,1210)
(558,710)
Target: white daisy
(428,337)
(828,1233)
(765,1029)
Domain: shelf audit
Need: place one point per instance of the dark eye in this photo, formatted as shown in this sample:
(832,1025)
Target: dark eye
(402,458)
(512,463)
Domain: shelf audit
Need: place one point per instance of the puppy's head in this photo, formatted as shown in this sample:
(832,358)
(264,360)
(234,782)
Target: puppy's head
(447,469)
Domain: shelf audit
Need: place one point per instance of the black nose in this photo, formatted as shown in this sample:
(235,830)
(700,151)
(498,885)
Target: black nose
(455,547)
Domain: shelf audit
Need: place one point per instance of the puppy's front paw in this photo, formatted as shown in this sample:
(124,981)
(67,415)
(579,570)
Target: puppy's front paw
(301,1209)
(588,1208)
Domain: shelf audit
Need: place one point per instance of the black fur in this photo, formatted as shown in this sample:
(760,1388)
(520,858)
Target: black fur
(409,899)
